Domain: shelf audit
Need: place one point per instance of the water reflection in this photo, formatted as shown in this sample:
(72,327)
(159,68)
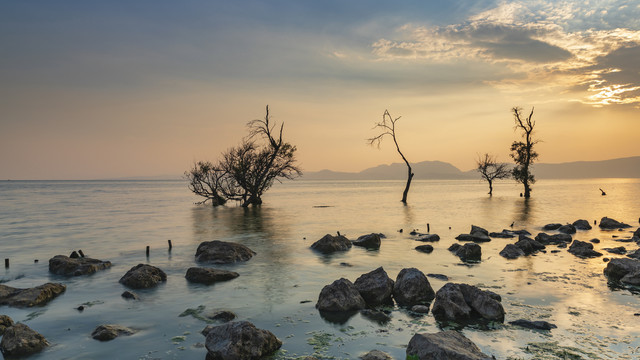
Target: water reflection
(523,210)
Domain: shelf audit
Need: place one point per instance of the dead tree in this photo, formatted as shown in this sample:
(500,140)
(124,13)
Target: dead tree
(522,151)
(491,170)
(388,127)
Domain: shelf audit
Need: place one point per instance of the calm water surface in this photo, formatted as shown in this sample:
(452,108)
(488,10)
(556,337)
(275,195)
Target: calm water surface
(278,288)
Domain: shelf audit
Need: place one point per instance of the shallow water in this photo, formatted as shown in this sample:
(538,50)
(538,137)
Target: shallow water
(278,288)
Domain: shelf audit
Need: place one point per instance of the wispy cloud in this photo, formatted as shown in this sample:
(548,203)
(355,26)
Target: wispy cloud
(568,46)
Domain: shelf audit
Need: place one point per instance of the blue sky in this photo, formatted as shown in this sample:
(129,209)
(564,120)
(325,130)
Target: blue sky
(106,89)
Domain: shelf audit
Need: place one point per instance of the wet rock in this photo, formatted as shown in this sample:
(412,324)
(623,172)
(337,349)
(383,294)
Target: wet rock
(470,252)
(619,268)
(477,237)
(341,295)
(240,340)
(130,295)
(439,277)
(329,244)
(444,345)
(370,241)
(478,230)
(595,241)
(5,322)
(376,315)
(505,234)
(143,276)
(425,248)
(20,340)
(209,276)
(549,227)
(557,239)
(620,250)
(375,287)
(223,252)
(519,232)
(64,265)
(583,249)
(511,252)
(582,224)
(428,238)
(412,288)
(635,255)
(637,233)
(608,223)
(567,229)
(29,297)
(376,355)
(110,331)
(462,303)
(528,245)
(420,309)
(535,325)
(221,316)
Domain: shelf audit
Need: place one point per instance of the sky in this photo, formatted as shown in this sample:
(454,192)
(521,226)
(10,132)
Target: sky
(111,89)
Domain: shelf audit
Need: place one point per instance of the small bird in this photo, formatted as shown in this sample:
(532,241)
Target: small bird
(512,224)
(603,193)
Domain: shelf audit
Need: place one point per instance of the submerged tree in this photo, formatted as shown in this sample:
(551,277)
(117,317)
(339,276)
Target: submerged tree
(491,170)
(388,127)
(245,172)
(522,152)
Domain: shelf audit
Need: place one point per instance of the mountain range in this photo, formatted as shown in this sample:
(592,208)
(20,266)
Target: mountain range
(437,170)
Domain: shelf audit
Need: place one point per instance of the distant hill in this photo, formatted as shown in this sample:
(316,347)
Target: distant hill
(438,170)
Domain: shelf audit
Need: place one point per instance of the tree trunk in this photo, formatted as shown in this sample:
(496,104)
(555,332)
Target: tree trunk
(406,189)
(490,187)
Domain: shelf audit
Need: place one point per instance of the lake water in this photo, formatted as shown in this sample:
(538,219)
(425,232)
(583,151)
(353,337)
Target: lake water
(278,288)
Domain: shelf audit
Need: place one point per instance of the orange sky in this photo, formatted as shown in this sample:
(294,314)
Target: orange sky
(118,90)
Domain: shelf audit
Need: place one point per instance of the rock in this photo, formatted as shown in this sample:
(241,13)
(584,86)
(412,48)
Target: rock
(454,247)
(439,277)
(429,238)
(535,325)
(469,252)
(63,265)
(5,322)
(637,233)
(519,232)
(505,234)
(36,296)
(528,245)
(620,250)
(583,249)
(567,229)
(143,276)
(376,315)
(595,241)
(511,252)
(618,268)
(549,227)
(20,340)
(375,287)
(635,255)
(582,224)
(425,248)
(376,355)
(462,303)
(74,255)
(222,316)
(341,295)
(223,252)
(240,340)
(412,288)
(557,239)
(209,276)
(130,295)
(607,223)
(478,230)
(329,244)
(110,332)
(477,237)
(420,309)
(444,345)
(371,241)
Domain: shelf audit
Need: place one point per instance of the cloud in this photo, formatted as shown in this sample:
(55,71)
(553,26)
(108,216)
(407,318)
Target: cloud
(578,47)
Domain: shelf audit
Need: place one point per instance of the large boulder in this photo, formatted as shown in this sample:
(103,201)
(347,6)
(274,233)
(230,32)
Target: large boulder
(619,269)
(444,345)
(64,265)
(375,287)
(583,249)
(222,252)
(557,239)
(412,288)
(370,241)
(329,244)
(582,224)
(470,252)
(36,296)
(341,295)
(5,322)
(20,340)
(143,276)
(208,275)
(240,340)
(608,223)
(528,245)
(511,252)
(567,229)
(110,331)
(462,303)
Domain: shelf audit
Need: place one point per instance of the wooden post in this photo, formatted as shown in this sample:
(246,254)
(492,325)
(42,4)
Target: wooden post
(147,250)
(428,228)
(81,253)
(6,263)
(170,246)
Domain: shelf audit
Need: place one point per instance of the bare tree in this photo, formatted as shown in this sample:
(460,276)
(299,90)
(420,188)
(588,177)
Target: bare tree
(491,170)
(388,127)
(522,152)
(245,172)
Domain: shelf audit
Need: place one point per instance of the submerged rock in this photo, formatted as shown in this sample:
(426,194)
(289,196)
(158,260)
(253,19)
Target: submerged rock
(329,244)
(110,331)
(535,325)
(221,316)
(444,345)
(341,295)
(511,252)
(29,297)
(376,355)
(478,237)
(462,303)
(64,265)
(376,315)
(425,248)
(470,252)
(5,322)
(428,238)
(223,252)
(567,229)
(412,288)
(528,245)
(130,295)
(20,340)
(208,275)
(240,340)
(620,250)
(557,239)
(608,223)
(370,241)
(143,276)
(582,224)
(553,226)
(505,234)
(375,287)
(583,249)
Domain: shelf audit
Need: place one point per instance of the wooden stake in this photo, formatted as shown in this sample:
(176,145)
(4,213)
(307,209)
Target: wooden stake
(147,250)
(6,263)
(170,246)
